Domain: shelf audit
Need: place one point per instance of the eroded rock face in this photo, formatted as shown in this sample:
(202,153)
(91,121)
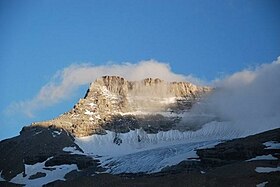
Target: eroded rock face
(112,96)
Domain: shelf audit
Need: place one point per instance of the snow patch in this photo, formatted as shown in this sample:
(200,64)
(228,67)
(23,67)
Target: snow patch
(87,112)
(92,104)
(37,133)
(57,173)
(272,145)
(56,133)
(263,157)
(262,184)
(267,169)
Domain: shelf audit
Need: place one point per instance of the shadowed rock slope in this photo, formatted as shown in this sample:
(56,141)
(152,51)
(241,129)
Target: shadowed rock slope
(37,144)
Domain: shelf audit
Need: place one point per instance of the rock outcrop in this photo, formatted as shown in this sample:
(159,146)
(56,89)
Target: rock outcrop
(111,97)
(35,145)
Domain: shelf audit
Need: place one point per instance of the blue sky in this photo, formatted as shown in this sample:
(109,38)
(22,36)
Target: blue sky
(207,39)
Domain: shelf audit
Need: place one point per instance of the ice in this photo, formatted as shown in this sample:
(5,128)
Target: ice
(263,157)
(57,174)
(262,184)
(267,169)
(272,145)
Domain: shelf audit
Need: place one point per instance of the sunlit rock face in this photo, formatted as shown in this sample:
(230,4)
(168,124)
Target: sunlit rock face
(112,100)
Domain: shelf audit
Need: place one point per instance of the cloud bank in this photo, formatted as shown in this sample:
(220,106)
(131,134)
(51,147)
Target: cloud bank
(66,81)
(249,99)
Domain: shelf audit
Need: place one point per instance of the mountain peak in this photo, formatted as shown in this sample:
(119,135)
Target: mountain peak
(113,98)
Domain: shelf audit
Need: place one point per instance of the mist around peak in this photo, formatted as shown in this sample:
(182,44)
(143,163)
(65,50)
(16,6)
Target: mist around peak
(249,100)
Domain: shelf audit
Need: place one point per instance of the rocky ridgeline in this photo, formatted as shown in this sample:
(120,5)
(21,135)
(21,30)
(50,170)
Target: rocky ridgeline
(111,99)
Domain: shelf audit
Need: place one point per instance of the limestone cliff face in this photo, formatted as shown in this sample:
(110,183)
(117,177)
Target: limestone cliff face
(110,98)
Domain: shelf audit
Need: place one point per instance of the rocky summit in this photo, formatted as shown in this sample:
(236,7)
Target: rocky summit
(112,100)
(139,133)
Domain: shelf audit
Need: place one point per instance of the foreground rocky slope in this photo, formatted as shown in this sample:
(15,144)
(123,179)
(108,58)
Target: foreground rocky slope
(240,162)
(36,145)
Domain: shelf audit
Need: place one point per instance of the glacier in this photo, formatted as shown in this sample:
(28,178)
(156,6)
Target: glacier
(154,160)
(149,153)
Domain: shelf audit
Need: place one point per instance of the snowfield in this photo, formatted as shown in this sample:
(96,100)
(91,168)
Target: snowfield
(267,169)
(138,140)
(137,151)
(52,174)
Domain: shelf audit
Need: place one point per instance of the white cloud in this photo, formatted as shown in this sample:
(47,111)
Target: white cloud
(66,81)
(250,98)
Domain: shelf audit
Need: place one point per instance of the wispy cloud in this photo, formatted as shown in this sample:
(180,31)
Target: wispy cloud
(66,81)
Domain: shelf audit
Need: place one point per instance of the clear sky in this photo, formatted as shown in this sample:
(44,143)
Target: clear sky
(205,38)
